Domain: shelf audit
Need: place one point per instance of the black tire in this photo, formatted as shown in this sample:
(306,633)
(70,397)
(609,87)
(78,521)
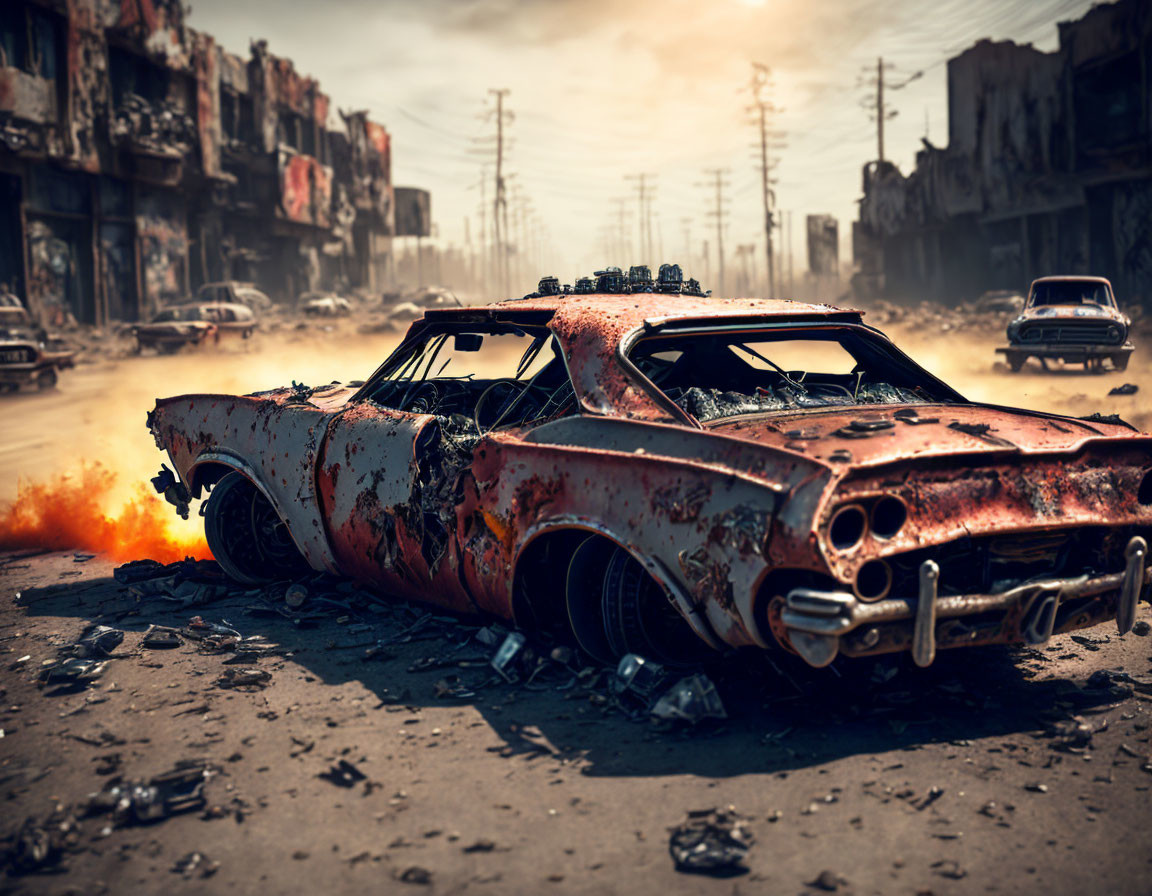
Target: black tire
(639,618)
(1120,362)
(168,348)
(46,379)
(1015,361)
(246,536)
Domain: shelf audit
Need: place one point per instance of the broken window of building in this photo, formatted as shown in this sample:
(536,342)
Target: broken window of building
(133,75)
(1107,99)
(237,116)
(29,40)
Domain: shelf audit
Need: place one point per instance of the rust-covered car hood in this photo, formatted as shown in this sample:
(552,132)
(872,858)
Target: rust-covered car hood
(883,434)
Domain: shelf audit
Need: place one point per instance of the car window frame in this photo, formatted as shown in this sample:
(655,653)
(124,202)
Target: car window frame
(676,328)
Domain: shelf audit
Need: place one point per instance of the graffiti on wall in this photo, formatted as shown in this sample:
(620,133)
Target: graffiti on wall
(163,233)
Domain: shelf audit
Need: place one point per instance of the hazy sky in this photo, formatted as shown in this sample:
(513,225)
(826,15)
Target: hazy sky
(605,88)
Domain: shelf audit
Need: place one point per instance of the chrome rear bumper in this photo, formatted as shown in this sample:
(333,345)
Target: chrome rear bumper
(817,621)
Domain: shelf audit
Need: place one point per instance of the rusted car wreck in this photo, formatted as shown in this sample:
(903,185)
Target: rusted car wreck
(675,476)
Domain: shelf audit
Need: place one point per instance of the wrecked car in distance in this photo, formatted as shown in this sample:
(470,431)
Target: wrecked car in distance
(1071,319)
(28,354)
(179,326)
(324,304)
(234,292)
(676,477)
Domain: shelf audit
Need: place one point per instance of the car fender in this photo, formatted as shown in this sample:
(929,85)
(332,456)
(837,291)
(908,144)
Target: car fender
(656,568)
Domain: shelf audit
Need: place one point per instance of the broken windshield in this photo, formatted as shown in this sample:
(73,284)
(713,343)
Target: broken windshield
(1071,292)
(492,375)
(715,373)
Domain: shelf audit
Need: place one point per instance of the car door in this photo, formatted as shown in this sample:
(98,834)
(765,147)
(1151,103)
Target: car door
(398,493)
(385,496)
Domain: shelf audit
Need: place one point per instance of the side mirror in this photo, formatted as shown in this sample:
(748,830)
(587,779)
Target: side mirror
(468,342)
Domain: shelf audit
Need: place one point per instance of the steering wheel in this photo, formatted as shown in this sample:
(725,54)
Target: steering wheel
(512,384)
(424,400)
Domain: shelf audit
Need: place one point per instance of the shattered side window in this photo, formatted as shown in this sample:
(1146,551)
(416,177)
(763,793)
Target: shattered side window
(715,374)
(480,378)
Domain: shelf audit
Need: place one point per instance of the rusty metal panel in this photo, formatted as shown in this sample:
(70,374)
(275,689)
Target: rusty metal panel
(87,84)
(272,440)
(305,190)
(206,63)
(382,492)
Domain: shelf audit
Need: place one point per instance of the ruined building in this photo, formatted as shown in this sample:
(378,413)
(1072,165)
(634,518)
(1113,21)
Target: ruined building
(1048,170)
(138,159)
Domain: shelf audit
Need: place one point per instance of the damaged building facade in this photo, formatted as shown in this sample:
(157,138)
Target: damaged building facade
(1048,170)
(138,160)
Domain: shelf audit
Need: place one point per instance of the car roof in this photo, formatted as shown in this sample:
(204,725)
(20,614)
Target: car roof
(627,312)
(1084,278)
(206,305)
(593,327)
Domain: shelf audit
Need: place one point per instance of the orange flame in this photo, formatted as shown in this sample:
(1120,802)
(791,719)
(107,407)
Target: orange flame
(71,512)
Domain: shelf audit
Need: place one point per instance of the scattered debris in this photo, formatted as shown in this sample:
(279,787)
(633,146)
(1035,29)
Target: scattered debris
(416,875)
(343,774)
(711,841)
(296,595)
(39,845)
(195,864)
(828,881)
(98,640)
(246,679)
(690,700)
(638,676)
(141,802)
(159,637)
(1126,389)
(506,659)
(79,673)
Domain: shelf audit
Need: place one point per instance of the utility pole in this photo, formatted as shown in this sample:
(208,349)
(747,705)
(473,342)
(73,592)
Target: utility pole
(880,109)
(876,104)
(644,192)
(719,213)
(620,243)
(788,243)
(485,255)
(762,107)
(500,203)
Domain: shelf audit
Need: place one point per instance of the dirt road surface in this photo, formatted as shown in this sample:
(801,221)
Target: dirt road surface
(1004,771)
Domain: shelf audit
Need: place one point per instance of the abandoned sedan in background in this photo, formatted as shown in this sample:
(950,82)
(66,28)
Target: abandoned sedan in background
(675,477)
(180,326)
(28,354)
(324,304)
(1070,319)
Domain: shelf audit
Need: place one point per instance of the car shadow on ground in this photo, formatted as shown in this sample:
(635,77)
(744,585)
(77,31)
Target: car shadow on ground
(781,715)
